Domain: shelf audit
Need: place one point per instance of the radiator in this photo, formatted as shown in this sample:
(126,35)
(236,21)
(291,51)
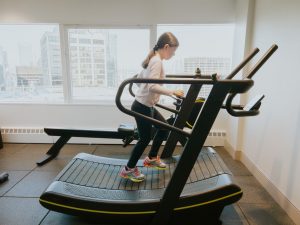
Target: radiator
(37,135)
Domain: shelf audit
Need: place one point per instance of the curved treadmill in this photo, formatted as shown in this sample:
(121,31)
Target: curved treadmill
(90,186)
(193,189)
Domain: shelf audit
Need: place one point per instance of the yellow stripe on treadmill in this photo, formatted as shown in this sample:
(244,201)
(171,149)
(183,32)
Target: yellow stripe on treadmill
(190,126)
(95,211)
(141,212)
(199,100)
(205,203)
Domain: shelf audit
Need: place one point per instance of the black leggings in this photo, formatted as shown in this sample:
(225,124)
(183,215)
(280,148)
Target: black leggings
(145,130)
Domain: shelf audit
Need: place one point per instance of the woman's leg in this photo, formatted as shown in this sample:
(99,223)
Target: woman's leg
(160,135)
(144,129)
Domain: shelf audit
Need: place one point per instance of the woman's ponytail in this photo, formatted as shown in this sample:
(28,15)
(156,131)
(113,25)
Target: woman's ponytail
(165,38)
(145,63)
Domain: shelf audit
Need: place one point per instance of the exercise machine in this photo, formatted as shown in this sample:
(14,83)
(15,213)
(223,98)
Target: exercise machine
(194,188)
(4,175)
(66,134)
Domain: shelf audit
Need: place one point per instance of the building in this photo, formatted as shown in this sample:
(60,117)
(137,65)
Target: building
(87,59)
(207,65)
(28,76)
(111,60)
(51,59)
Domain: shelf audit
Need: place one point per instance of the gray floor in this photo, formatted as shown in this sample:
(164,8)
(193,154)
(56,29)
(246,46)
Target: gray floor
(19,196)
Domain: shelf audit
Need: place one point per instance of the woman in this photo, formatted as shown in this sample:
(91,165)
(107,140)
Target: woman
(146,97)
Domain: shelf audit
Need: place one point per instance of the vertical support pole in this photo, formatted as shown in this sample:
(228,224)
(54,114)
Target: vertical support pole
(1,141)
(181,118)
(190,154)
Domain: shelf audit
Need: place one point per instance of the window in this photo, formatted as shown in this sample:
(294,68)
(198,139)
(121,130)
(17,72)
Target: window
(30,63)
(208,47)
(100,59)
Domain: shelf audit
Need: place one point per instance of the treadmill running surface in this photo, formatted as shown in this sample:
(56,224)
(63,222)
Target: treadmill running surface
(91,186)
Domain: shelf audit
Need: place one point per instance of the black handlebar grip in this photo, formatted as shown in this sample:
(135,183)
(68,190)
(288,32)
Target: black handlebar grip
(3,177)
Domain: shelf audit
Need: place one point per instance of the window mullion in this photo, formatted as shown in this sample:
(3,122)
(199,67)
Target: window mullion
(67,90)
(153,35)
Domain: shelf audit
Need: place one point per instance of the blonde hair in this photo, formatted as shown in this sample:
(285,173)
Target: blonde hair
(165,38)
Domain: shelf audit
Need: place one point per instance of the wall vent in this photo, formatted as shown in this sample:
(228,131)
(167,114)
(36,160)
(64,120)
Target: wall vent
(217,134)
(22,131)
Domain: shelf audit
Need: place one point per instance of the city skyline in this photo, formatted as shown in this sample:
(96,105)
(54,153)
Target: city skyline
(93,67)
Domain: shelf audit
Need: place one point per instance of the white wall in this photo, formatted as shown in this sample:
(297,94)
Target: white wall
(271,146)
(101,12)
(242,48)
(72,116)
(117,11)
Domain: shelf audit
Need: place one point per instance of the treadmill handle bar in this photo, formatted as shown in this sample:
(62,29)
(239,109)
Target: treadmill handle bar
(231,109)
(154,121)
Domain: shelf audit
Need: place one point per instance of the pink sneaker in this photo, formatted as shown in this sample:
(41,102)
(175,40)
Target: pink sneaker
(156,163)
(133,174)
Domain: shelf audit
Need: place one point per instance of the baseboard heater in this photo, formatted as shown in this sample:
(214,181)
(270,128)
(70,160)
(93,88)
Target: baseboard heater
(37,135)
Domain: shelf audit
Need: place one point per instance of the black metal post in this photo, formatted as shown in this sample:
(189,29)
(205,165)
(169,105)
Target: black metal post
(190,153)
(185,111)
(1,141)
(54,150)
(262,61)
(3,176)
